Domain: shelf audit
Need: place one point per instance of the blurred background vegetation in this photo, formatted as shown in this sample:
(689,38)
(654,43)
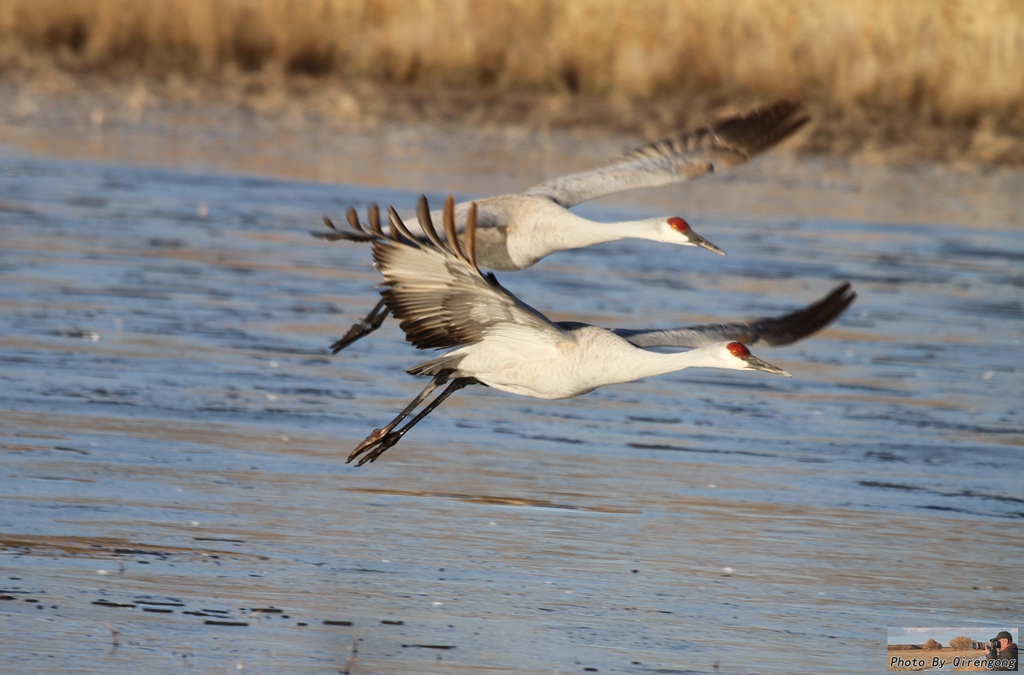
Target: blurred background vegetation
(884,69)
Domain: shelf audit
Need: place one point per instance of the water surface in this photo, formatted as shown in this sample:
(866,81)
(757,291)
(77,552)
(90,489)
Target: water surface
(174,491)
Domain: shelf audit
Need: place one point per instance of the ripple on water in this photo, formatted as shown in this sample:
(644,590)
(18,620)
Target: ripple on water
(174,436)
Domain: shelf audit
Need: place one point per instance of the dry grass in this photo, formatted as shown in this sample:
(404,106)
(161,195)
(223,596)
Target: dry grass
(898,80)
(946,60)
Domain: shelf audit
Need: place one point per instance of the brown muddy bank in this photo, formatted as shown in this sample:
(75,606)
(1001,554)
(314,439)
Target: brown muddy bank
(864,133)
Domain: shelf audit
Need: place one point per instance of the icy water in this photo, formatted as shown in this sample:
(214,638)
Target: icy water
(174,496)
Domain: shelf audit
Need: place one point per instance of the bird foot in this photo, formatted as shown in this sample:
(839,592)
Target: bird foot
(354,333)
(374,446)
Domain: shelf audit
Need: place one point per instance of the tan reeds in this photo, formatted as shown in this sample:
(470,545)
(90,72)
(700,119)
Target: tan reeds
(944,59)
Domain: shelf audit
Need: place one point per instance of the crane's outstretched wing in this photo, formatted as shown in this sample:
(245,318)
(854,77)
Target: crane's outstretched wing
(771,331)
(359,232)
(371,230)
(438,294)
(675,159)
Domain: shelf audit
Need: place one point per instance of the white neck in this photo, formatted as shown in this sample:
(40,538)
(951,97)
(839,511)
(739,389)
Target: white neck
(564,230)
(605,359)
(577,232)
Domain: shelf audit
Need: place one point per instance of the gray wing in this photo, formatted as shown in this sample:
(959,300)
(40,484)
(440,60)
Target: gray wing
(771,331)
(369,232)
(372,229)
(438,294)
(685,157)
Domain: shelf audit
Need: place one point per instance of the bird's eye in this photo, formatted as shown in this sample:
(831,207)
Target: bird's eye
(679,225)
(738,350)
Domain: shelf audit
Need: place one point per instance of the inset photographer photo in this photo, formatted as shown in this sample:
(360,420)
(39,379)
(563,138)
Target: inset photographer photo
(985,648)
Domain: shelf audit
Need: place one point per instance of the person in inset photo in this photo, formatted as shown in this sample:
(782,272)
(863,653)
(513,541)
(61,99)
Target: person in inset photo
(1002,651)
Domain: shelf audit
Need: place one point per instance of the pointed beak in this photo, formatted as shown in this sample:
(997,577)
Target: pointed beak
(758,364)
(698,240)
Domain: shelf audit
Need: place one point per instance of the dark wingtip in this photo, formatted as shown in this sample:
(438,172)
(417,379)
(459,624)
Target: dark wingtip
(338,235)
(334,234)
(784,330)
(763,127)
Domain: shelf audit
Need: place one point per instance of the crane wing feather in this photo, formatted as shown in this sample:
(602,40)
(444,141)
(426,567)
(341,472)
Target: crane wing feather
(772,331)
(441,300)
(680,158)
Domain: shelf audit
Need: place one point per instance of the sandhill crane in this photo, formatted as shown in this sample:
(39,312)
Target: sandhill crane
(515,231)
(442,300)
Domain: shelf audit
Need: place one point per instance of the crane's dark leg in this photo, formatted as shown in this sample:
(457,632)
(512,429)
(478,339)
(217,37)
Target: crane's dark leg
(382,439)
(371,323)
(378,434)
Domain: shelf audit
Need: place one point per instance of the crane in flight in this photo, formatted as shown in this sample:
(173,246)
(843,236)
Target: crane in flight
(514,231)
(442,300)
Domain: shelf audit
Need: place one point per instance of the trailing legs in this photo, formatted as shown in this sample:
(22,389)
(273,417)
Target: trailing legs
(381,439)
(371,323)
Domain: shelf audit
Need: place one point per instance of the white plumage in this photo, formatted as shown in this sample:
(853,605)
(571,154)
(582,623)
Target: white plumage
(443,301)
(515,231)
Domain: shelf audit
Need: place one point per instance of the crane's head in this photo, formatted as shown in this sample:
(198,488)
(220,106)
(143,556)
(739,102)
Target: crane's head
(736,356)
(675,230)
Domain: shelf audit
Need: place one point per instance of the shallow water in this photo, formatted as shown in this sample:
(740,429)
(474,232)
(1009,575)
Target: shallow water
(174,435)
